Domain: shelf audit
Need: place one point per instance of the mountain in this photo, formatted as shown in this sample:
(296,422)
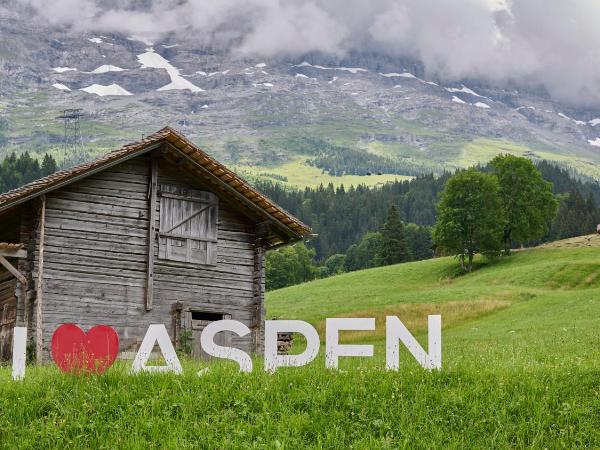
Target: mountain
(301,120)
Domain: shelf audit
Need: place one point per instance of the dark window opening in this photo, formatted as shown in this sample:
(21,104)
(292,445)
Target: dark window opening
(208,316)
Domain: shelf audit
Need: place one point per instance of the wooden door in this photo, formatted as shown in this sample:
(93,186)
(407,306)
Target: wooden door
(198,321)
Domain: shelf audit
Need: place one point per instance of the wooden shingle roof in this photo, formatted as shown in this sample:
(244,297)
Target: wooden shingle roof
(231,183)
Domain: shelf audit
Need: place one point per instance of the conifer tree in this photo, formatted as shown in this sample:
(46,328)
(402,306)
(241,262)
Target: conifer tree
(393,248)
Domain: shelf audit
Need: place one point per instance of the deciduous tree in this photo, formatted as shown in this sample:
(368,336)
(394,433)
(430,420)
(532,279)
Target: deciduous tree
(470,217)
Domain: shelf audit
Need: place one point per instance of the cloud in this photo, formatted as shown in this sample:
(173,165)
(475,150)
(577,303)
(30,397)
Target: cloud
(552,43)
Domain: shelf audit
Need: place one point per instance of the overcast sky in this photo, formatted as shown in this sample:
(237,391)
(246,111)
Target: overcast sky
(555,43)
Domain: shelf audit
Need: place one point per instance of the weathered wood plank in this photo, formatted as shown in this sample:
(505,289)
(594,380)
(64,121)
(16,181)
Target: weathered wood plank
(96,218)
(151,230)
(39,297)
(112,210)
(103,201)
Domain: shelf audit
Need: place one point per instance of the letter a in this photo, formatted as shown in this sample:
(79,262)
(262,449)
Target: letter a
(156,333)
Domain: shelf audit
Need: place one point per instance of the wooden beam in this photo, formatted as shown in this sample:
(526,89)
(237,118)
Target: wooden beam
(8,266)
(11,253)
(39,291)
(151,229)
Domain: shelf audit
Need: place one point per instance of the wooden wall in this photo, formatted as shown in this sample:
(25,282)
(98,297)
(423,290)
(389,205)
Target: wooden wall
(95,259)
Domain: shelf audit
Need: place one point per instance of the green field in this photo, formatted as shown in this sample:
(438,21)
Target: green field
(521,369)
(299,175)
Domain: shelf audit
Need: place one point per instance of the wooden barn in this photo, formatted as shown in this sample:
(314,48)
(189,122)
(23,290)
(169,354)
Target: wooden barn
(154,232)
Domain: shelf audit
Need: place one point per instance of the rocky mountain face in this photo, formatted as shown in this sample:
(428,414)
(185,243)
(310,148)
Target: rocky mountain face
(257,111)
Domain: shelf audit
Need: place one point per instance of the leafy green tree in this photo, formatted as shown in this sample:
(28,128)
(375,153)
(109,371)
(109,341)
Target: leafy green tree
(527,200)
(393,248)
(364,254)
(470,217)
(290,265)
(334,265)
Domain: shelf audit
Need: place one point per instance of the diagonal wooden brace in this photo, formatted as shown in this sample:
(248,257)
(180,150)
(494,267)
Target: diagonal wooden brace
(18,275)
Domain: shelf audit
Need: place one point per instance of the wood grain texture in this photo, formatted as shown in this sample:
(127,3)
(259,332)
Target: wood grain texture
(97,255)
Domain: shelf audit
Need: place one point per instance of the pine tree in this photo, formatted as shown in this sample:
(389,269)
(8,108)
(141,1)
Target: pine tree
(48,165)
(393,248)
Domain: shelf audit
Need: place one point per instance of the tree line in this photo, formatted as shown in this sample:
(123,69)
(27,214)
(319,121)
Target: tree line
(508,203)
(342,216)
(16,170)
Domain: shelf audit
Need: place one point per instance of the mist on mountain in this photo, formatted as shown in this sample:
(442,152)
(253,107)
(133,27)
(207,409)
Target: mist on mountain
(550,43)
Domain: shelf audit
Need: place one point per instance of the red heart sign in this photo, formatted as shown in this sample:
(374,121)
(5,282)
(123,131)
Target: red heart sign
(78,352)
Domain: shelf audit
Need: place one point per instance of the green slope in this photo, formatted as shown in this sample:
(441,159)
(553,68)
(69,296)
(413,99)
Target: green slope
(543,302)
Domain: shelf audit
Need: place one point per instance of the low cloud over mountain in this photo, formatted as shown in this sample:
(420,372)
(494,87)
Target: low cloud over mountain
(551,43)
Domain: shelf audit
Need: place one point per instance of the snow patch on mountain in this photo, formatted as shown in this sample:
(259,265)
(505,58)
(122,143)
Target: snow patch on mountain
(261,65)
(594,122)
(481,105)
(466,90)
(170,46)
(95,40)
(353,70)
(101,90)
(107,68)
(455,99)
(153,60)
(301,75)
(62,87)
(578,122)
(212,74)
(63,69)
(594,142)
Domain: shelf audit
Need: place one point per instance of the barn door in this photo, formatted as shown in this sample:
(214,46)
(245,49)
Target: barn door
(188,225)
(199,321)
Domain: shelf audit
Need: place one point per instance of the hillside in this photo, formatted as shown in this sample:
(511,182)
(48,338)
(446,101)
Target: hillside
(541,300)
(520,370)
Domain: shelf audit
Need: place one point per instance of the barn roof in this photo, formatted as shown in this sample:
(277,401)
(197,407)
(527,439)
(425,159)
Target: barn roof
(229,183)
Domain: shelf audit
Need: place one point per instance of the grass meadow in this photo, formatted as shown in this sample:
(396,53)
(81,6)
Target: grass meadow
(521,369)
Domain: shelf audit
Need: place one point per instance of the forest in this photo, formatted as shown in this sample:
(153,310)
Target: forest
(17,171)
(341,216)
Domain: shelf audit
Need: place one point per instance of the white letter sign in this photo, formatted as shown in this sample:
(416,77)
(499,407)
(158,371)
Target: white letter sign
(395,331)
(218,351)
(333,350)
(19,353)
(273,360)
(156,333)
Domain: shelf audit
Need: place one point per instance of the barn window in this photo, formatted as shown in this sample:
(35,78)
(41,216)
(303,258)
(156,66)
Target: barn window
(208,316)
(188,225)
